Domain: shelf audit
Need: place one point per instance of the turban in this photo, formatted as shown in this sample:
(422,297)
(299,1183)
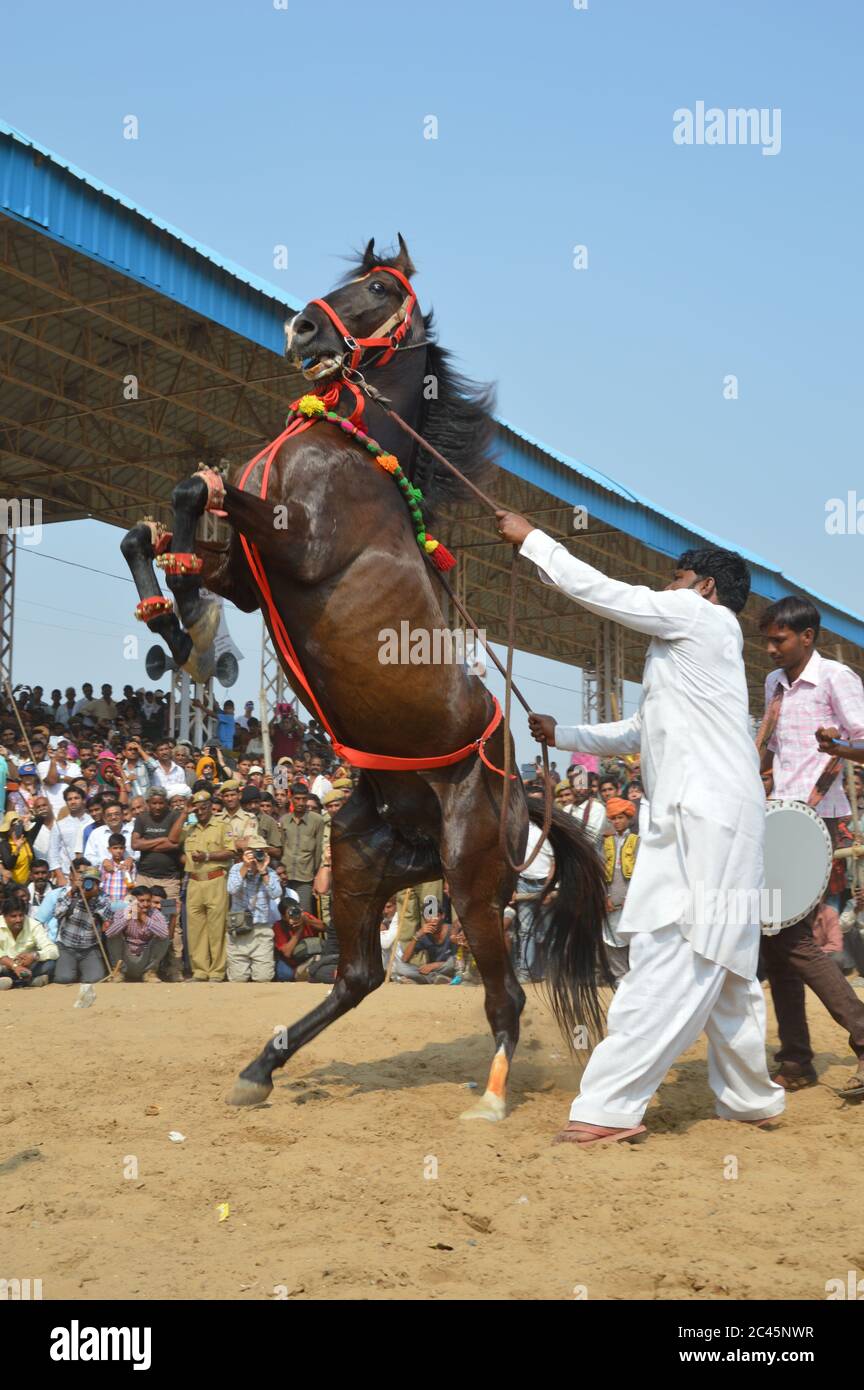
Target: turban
(617,806)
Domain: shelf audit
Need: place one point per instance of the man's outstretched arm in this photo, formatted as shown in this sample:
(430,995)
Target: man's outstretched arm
(667,615)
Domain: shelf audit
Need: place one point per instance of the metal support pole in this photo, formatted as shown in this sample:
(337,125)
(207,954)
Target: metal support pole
(7,603)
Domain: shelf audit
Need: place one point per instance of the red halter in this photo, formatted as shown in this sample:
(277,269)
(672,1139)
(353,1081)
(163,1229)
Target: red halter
(385,338)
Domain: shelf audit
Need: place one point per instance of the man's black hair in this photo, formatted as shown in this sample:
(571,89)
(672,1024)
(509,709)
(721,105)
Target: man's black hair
(728,570)
(793,612)
(157,891)
(39,864)
(116,839)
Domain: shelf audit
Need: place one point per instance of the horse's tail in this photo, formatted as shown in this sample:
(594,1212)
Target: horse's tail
(572,951)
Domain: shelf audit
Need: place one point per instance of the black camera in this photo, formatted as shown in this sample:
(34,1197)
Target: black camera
(260,855)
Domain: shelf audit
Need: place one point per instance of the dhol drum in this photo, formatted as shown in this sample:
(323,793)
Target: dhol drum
(798,854)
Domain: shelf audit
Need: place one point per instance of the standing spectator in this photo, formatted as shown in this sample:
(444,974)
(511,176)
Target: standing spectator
(67,834)
(243,721)
(96,847)
(42,809)
(117,871)
(57,773)
(608,787)
(67,709)
(253,887)
(320,784)
(529,907)
(16,848)
(137,937)
(83,911)
(586,808)
(156,837)
(135,769)
(619,860)
(254,743)
(208,849)
(242,824)
(302,846)
(165,772)
(251,801)
(27,954)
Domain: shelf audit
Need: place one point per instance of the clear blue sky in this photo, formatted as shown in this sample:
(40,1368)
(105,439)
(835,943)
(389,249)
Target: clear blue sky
(304,126)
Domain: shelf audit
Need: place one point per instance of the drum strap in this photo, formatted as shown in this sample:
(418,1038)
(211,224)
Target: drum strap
(766,730)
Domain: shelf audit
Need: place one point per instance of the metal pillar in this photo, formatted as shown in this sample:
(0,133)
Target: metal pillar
(602,682)
(272,692)
(7,602)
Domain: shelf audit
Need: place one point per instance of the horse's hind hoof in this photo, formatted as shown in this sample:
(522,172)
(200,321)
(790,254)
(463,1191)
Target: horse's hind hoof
(488,1107)
(249,1092)
(203,630)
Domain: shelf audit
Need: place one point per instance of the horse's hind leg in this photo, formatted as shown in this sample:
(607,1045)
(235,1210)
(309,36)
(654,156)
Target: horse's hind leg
(369,864)
(479,898)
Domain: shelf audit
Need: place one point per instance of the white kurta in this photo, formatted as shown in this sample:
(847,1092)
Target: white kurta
(700,862)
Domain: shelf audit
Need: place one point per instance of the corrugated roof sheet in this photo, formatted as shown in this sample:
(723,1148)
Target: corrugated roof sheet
(75,209)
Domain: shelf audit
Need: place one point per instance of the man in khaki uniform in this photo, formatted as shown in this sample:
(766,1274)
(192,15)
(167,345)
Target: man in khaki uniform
(242,824)
(251,802)
(208,849)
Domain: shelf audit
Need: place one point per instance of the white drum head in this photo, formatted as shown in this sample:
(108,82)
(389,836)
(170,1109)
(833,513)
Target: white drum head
(798,856)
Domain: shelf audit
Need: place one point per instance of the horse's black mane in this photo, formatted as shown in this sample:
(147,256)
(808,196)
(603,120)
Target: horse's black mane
(457,420)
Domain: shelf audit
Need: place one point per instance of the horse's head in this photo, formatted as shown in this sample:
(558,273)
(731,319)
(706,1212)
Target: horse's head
(370,314)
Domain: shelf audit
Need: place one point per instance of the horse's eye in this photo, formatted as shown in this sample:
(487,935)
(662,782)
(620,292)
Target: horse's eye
(377,288)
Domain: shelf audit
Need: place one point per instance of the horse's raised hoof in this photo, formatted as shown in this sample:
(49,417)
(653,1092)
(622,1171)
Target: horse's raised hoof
(249,1092)
(488,1107)
(203,630)
(200,665)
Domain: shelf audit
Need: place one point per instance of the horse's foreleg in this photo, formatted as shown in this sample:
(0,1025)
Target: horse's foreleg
(199,616)
(370,864)
(137,550)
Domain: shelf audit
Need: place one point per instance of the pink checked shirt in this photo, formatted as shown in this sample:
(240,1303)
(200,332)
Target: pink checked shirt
(826,695)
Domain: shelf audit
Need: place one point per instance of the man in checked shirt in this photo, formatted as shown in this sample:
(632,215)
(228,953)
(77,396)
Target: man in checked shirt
(807,692)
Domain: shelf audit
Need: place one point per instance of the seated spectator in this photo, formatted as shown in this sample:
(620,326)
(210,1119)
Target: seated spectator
(299,940)
(40,883)
(252,886)
(389,930)
(137,937)
(83,911)
(433,941)
(27,954)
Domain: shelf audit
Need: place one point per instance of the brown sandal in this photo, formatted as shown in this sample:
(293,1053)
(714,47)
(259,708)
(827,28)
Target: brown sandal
(797,1080)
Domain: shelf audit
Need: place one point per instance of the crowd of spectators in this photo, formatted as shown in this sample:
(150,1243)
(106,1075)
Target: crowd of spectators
(123,851)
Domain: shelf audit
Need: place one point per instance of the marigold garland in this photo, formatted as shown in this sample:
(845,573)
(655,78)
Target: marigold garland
(313,408)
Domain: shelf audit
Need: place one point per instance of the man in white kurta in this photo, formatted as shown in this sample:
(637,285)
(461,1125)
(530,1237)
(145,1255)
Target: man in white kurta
(692,910)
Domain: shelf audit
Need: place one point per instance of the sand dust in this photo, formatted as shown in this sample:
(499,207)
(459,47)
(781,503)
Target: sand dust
(359,1180)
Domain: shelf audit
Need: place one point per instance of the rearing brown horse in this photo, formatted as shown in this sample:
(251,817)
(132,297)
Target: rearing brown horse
(337,562)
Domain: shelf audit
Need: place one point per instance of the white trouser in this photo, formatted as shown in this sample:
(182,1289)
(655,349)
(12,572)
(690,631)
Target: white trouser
(669,996)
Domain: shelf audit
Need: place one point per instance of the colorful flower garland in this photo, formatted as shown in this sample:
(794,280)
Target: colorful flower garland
(314,408)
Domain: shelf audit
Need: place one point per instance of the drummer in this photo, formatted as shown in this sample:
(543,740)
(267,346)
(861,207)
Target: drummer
(806,693)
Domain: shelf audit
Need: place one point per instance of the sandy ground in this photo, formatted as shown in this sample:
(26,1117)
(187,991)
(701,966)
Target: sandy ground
(359,1180)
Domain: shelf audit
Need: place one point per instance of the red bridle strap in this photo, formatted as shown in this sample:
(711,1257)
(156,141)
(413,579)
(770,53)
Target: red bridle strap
(384,338)
(380,762)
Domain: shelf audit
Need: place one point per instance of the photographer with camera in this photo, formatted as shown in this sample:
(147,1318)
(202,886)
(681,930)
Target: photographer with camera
(253,887)
(82,913)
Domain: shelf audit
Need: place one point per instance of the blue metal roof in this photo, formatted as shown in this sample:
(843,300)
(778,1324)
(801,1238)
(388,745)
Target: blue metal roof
(39,188)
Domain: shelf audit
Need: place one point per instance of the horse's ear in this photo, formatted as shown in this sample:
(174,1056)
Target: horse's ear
(403,261)
(368,256)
